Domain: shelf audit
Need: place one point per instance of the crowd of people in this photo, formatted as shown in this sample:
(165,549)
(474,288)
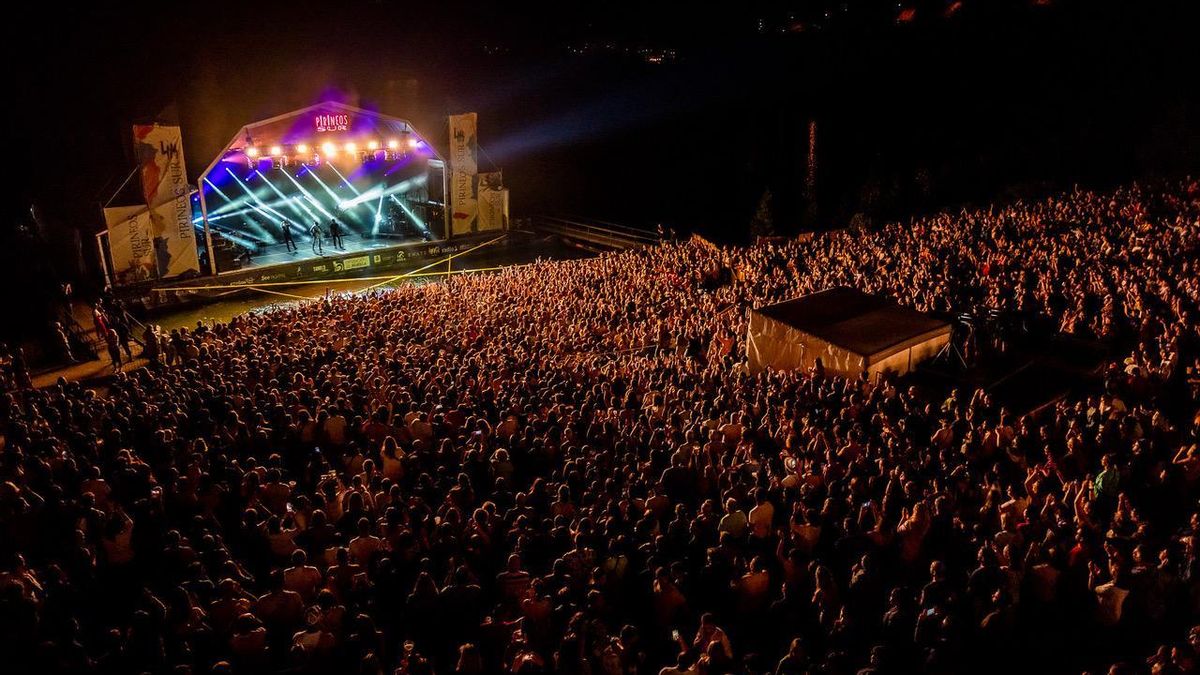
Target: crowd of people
(565,467)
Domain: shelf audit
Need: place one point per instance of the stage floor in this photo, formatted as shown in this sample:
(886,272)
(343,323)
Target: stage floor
(277,254)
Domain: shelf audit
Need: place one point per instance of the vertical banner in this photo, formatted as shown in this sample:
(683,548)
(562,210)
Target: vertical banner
(464,205)
(159,152)
(464,143)
(464,164)
(130,244)
(491,202)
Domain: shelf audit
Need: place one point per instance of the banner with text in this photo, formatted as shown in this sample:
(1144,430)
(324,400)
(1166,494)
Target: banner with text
(492,215)
(464,164)
(159,152)
(464,203)
(129,244)
(464,143)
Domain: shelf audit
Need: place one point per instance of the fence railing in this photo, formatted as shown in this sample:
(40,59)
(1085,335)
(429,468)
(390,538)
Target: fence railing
(597,232)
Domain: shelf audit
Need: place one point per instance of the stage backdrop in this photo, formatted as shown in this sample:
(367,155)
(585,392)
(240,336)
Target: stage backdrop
(159,152)
(464,165)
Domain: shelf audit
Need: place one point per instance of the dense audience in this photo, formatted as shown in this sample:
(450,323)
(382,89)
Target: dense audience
(565,467)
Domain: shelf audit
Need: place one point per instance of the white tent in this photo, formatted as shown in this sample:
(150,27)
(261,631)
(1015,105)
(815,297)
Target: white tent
(849,331)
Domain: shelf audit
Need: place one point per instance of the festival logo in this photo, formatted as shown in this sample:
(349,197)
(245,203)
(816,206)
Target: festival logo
(332,122)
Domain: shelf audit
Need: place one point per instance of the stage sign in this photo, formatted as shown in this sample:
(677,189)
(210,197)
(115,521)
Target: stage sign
(159,152)
(331,122)
(464,204)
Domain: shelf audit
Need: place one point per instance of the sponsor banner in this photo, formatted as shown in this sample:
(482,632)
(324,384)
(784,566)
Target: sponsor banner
(464,205)
(130,244)
(159,152)
(492,214)
(355,263)
(464,145)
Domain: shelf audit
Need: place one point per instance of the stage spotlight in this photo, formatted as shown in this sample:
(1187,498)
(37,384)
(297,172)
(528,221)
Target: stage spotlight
(252,151)
(393,144)
(276,151)
(329,149)
(414,142)
(351,148)
(302,149)
(373,145)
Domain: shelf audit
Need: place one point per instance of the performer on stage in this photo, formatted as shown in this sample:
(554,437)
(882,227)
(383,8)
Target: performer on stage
(285,229)
(335,233)
(315,231)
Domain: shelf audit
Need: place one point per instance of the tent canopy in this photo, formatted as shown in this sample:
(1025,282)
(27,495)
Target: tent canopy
(850,331)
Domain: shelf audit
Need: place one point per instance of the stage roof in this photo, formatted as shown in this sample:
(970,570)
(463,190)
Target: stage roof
(864,324)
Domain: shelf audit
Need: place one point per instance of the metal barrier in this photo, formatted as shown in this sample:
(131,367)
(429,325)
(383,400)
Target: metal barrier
(628,230)
(609,235)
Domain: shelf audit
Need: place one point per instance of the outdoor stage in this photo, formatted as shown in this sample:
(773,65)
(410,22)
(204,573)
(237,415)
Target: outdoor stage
(372,177)
(283,183)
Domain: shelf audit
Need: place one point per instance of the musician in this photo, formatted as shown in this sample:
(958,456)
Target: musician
(335,233)
(285,229)
(315,231)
